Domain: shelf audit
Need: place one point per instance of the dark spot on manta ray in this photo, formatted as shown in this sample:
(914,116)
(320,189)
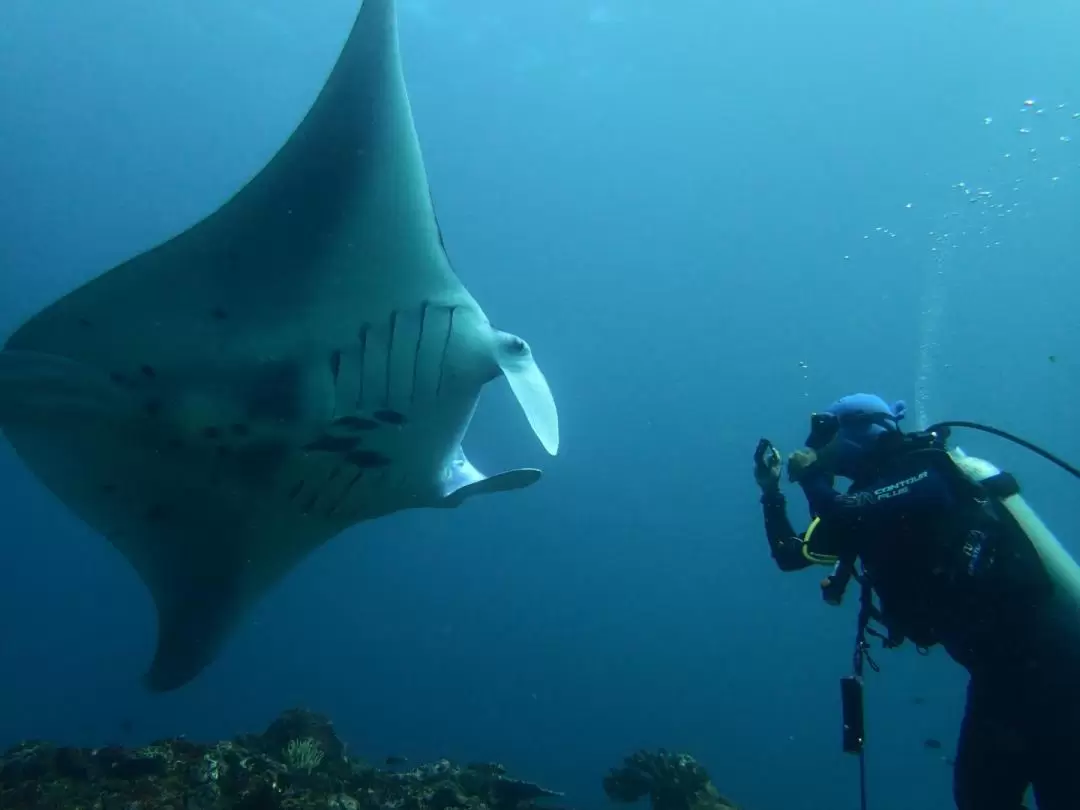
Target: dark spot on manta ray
(333,444)
(390,417)
(240,429)
(153,407)
(219,314)
(84,323)
(297,487)
(148,371)
(211,432)
(309,504)
(156,513)
(367,459)
(355,423)
(118,378)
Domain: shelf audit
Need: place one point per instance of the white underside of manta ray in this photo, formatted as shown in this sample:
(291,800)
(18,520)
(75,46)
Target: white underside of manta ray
(301,360)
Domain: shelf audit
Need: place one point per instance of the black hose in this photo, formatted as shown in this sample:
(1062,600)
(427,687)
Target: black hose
(1034,448)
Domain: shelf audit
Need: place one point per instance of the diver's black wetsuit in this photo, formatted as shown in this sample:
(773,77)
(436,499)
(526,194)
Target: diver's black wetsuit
(947,571)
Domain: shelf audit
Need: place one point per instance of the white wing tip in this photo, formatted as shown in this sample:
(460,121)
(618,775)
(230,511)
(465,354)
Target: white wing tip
(534,395)
(549,437)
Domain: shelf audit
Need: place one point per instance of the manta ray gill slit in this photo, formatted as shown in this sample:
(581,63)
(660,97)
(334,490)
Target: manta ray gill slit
(416,351)
(335,365)
(446,350)
(363,335)
(390,357)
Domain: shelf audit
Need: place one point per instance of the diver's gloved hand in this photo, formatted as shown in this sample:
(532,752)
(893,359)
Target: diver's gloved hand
(799,462)
(767,465)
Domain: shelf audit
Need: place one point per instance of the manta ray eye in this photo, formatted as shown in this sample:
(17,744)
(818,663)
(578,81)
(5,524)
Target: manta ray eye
(517,346)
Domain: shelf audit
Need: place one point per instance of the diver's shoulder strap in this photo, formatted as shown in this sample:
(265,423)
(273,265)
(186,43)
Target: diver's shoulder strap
(1001,486)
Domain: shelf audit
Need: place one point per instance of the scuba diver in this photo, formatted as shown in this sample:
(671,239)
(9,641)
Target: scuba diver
(954,563)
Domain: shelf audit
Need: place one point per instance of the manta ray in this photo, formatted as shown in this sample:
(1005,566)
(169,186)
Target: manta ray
(301,360)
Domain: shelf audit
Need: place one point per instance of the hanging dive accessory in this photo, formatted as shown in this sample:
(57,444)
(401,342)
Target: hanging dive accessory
(852,706)
(852,703)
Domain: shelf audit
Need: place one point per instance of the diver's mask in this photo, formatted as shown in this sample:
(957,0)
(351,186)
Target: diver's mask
(852,439)
(823,429)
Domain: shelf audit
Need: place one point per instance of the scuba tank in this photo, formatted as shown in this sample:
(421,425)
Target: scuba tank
(1062,568)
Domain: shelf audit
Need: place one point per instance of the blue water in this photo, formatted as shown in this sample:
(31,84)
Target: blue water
(697,214)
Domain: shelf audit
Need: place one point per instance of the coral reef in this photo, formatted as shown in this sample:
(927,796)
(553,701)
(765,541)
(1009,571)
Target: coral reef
(671,781)
(298,763)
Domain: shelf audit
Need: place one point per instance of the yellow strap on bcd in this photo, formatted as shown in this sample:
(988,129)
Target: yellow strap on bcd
(817,559)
